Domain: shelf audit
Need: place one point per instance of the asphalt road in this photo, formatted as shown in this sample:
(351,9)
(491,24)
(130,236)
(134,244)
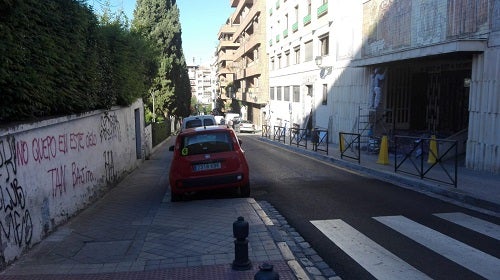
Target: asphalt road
(365,228)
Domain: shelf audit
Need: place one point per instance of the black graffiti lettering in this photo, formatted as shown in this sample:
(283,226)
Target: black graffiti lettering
(16,197)
(8,157)
(109,166)
(110,127)
(17,225)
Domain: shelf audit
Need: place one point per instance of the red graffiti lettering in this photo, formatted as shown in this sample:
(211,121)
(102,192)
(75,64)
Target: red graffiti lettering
(81,175)
(77,141)
(44,148)
(63,143)
(58,182)
(22,152)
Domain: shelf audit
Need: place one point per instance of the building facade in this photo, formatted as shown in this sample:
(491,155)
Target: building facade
(203,87)
(412,67)
(242,55)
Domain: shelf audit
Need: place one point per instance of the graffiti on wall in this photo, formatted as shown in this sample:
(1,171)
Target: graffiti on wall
(110,127)
(390,25)
(16,225)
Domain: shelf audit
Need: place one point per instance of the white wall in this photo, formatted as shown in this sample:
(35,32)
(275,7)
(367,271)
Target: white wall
(51,169)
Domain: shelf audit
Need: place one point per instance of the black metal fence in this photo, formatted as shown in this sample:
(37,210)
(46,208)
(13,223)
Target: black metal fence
(266,131)
(298,137)
(350,146)
(279,134)
(429,158)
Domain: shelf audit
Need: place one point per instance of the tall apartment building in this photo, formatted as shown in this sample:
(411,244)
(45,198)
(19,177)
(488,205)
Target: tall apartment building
(203,86)
(242,55)
(297,33)
(407,67)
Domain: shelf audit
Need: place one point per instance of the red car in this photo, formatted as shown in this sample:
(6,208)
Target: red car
(207,158)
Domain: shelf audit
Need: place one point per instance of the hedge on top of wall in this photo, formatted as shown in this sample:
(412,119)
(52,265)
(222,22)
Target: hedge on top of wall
(57,59)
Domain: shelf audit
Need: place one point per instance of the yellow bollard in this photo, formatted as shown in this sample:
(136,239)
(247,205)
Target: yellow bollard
(433,151)
(383,155)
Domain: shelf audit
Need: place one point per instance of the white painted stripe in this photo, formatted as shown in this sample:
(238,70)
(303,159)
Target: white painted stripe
(475,260)
(472,223)
(379,262)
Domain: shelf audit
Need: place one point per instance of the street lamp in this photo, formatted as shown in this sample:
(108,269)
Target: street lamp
(325,70)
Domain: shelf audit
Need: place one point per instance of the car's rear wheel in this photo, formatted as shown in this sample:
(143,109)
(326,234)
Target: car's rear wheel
(174,197)
(245,191)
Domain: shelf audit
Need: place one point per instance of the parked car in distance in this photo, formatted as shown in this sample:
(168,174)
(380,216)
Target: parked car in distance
(244,126)
(208,158)
(197,121)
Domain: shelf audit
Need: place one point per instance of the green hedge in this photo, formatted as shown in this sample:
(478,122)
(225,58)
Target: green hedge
(160,132)
(57,59)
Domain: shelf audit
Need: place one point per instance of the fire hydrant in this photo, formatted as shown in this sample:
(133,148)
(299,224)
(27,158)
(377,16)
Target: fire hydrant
(266,273)
(240,232)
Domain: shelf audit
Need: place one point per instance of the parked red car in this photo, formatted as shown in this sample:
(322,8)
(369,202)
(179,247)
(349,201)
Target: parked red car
(207,158)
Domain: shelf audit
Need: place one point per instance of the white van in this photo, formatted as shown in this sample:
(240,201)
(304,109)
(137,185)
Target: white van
(197,121)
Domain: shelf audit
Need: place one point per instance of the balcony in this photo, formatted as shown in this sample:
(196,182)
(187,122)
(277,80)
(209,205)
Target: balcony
(277,4)
(295,27)
(285,33)
(307,19)
(277,38)
(270,42)
(253,70)
(323,9)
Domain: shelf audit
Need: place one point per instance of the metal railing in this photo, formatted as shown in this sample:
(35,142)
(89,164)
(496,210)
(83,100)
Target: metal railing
(350,147)
(266,131)
(279,134)
(418,156)
(298,137)
(319,140)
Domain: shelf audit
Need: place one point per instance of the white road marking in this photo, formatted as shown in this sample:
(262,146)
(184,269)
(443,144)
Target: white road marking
(475,260)
(378,261)
(472,223)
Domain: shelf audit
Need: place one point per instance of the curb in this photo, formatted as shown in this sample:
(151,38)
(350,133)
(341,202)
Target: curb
(300,256)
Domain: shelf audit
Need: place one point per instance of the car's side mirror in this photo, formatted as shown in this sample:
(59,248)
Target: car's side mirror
(171,148)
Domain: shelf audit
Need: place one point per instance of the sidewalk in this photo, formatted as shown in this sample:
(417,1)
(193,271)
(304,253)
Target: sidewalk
(474,189)
(135,232)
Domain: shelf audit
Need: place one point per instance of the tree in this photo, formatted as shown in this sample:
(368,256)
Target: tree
(158,20)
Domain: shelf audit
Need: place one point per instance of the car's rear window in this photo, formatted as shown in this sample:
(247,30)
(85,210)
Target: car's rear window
(208,122)
(193,123)
(206,143)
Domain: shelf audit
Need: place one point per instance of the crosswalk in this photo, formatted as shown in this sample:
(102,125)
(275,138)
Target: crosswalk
(383,264)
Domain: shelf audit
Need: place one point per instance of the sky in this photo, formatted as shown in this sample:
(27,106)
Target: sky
(201,21)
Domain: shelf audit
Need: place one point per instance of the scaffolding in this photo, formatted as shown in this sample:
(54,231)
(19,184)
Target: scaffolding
(372,124)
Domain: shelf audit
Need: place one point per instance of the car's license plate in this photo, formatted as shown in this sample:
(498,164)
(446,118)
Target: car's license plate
(206,166)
